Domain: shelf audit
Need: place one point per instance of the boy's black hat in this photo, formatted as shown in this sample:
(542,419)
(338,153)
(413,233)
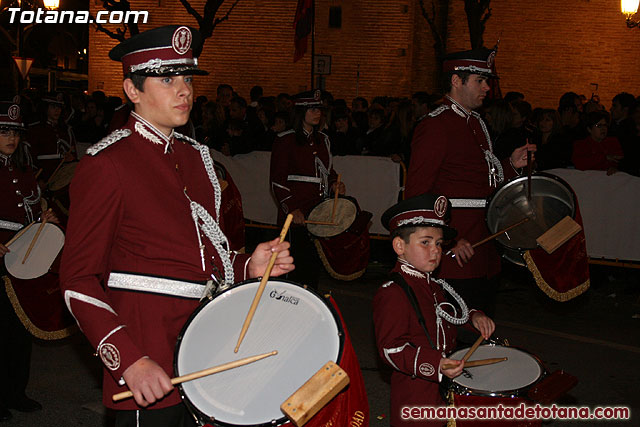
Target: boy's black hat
(426,210)
(476,61)
(163,51)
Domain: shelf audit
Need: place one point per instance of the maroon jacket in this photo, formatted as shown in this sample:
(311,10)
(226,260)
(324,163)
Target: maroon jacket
(19,193)
(447,158)
(48,145)
(290,162)
(129,213)
(403,345)
(591,155)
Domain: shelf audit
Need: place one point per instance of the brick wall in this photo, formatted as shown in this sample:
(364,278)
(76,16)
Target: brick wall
(255,46)
(547,47)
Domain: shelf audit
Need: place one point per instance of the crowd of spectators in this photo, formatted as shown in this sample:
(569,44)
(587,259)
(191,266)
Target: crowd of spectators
(576,133)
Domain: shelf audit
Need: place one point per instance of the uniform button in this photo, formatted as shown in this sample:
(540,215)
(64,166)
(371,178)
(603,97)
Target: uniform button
(20,204)
(15,180)
(18,193)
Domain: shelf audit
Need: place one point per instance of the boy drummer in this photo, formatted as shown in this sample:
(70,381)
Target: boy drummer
(416,352)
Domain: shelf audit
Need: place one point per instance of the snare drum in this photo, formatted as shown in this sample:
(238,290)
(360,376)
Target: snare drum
(343,248)
(33,288)
(504,383)
(346,211)
(551,200)
(58,190)
(296,322)
(62,178)
(44,252)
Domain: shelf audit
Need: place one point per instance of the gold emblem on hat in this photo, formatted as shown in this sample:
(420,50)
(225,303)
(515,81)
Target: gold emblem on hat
(181,40)
(13,112)
(440,206)
(491,59)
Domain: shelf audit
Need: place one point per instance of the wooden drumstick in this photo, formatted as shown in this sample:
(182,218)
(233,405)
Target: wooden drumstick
(19,233)
(263,284)
(494,235)
(55,171)
(335,200)
(473,348)
(481,362)
(38,173)
(33,242)
(529,165)
(320,223)
(203,373)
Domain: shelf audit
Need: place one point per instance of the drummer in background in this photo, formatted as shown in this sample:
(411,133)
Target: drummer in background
(145,238)
(20,205)
(302,176)
(452,154)
(51,138)
(418,228)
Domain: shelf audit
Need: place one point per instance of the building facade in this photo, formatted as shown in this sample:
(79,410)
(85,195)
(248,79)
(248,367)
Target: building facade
(385,47)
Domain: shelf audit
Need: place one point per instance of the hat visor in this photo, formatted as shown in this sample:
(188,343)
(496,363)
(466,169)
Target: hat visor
(12,126)
(54,102)
(307,105)
(172,71)
(488,75)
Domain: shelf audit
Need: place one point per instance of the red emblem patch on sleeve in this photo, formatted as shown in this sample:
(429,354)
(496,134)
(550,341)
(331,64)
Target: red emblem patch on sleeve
(110,356)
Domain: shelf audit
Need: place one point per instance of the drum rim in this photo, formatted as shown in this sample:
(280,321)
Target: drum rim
(56,189)
(48,224)
(491,198)
(326,199)
(199,415)
(519,392)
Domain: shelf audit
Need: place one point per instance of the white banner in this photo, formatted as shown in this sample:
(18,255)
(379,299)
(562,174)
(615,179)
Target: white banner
(373,181)
(610,208)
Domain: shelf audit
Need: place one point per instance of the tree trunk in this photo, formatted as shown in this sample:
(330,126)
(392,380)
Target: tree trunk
(478,12)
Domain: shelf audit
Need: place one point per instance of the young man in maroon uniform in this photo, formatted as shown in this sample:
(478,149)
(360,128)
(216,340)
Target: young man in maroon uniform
(452,155)
(415,349)
(145,240)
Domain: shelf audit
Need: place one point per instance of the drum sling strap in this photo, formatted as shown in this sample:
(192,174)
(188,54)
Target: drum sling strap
(397,277)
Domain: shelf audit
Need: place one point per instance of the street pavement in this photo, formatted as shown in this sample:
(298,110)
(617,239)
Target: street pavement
(595,337)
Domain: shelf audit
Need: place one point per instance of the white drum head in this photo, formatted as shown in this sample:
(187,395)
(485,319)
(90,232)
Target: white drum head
(44,252)
(346,212)
(289,319)
(518,371)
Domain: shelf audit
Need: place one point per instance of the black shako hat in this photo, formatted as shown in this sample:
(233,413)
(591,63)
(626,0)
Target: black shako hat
(425,210)
(10,117)
(162,51)
(53,98)
(476,61)
(308,99)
